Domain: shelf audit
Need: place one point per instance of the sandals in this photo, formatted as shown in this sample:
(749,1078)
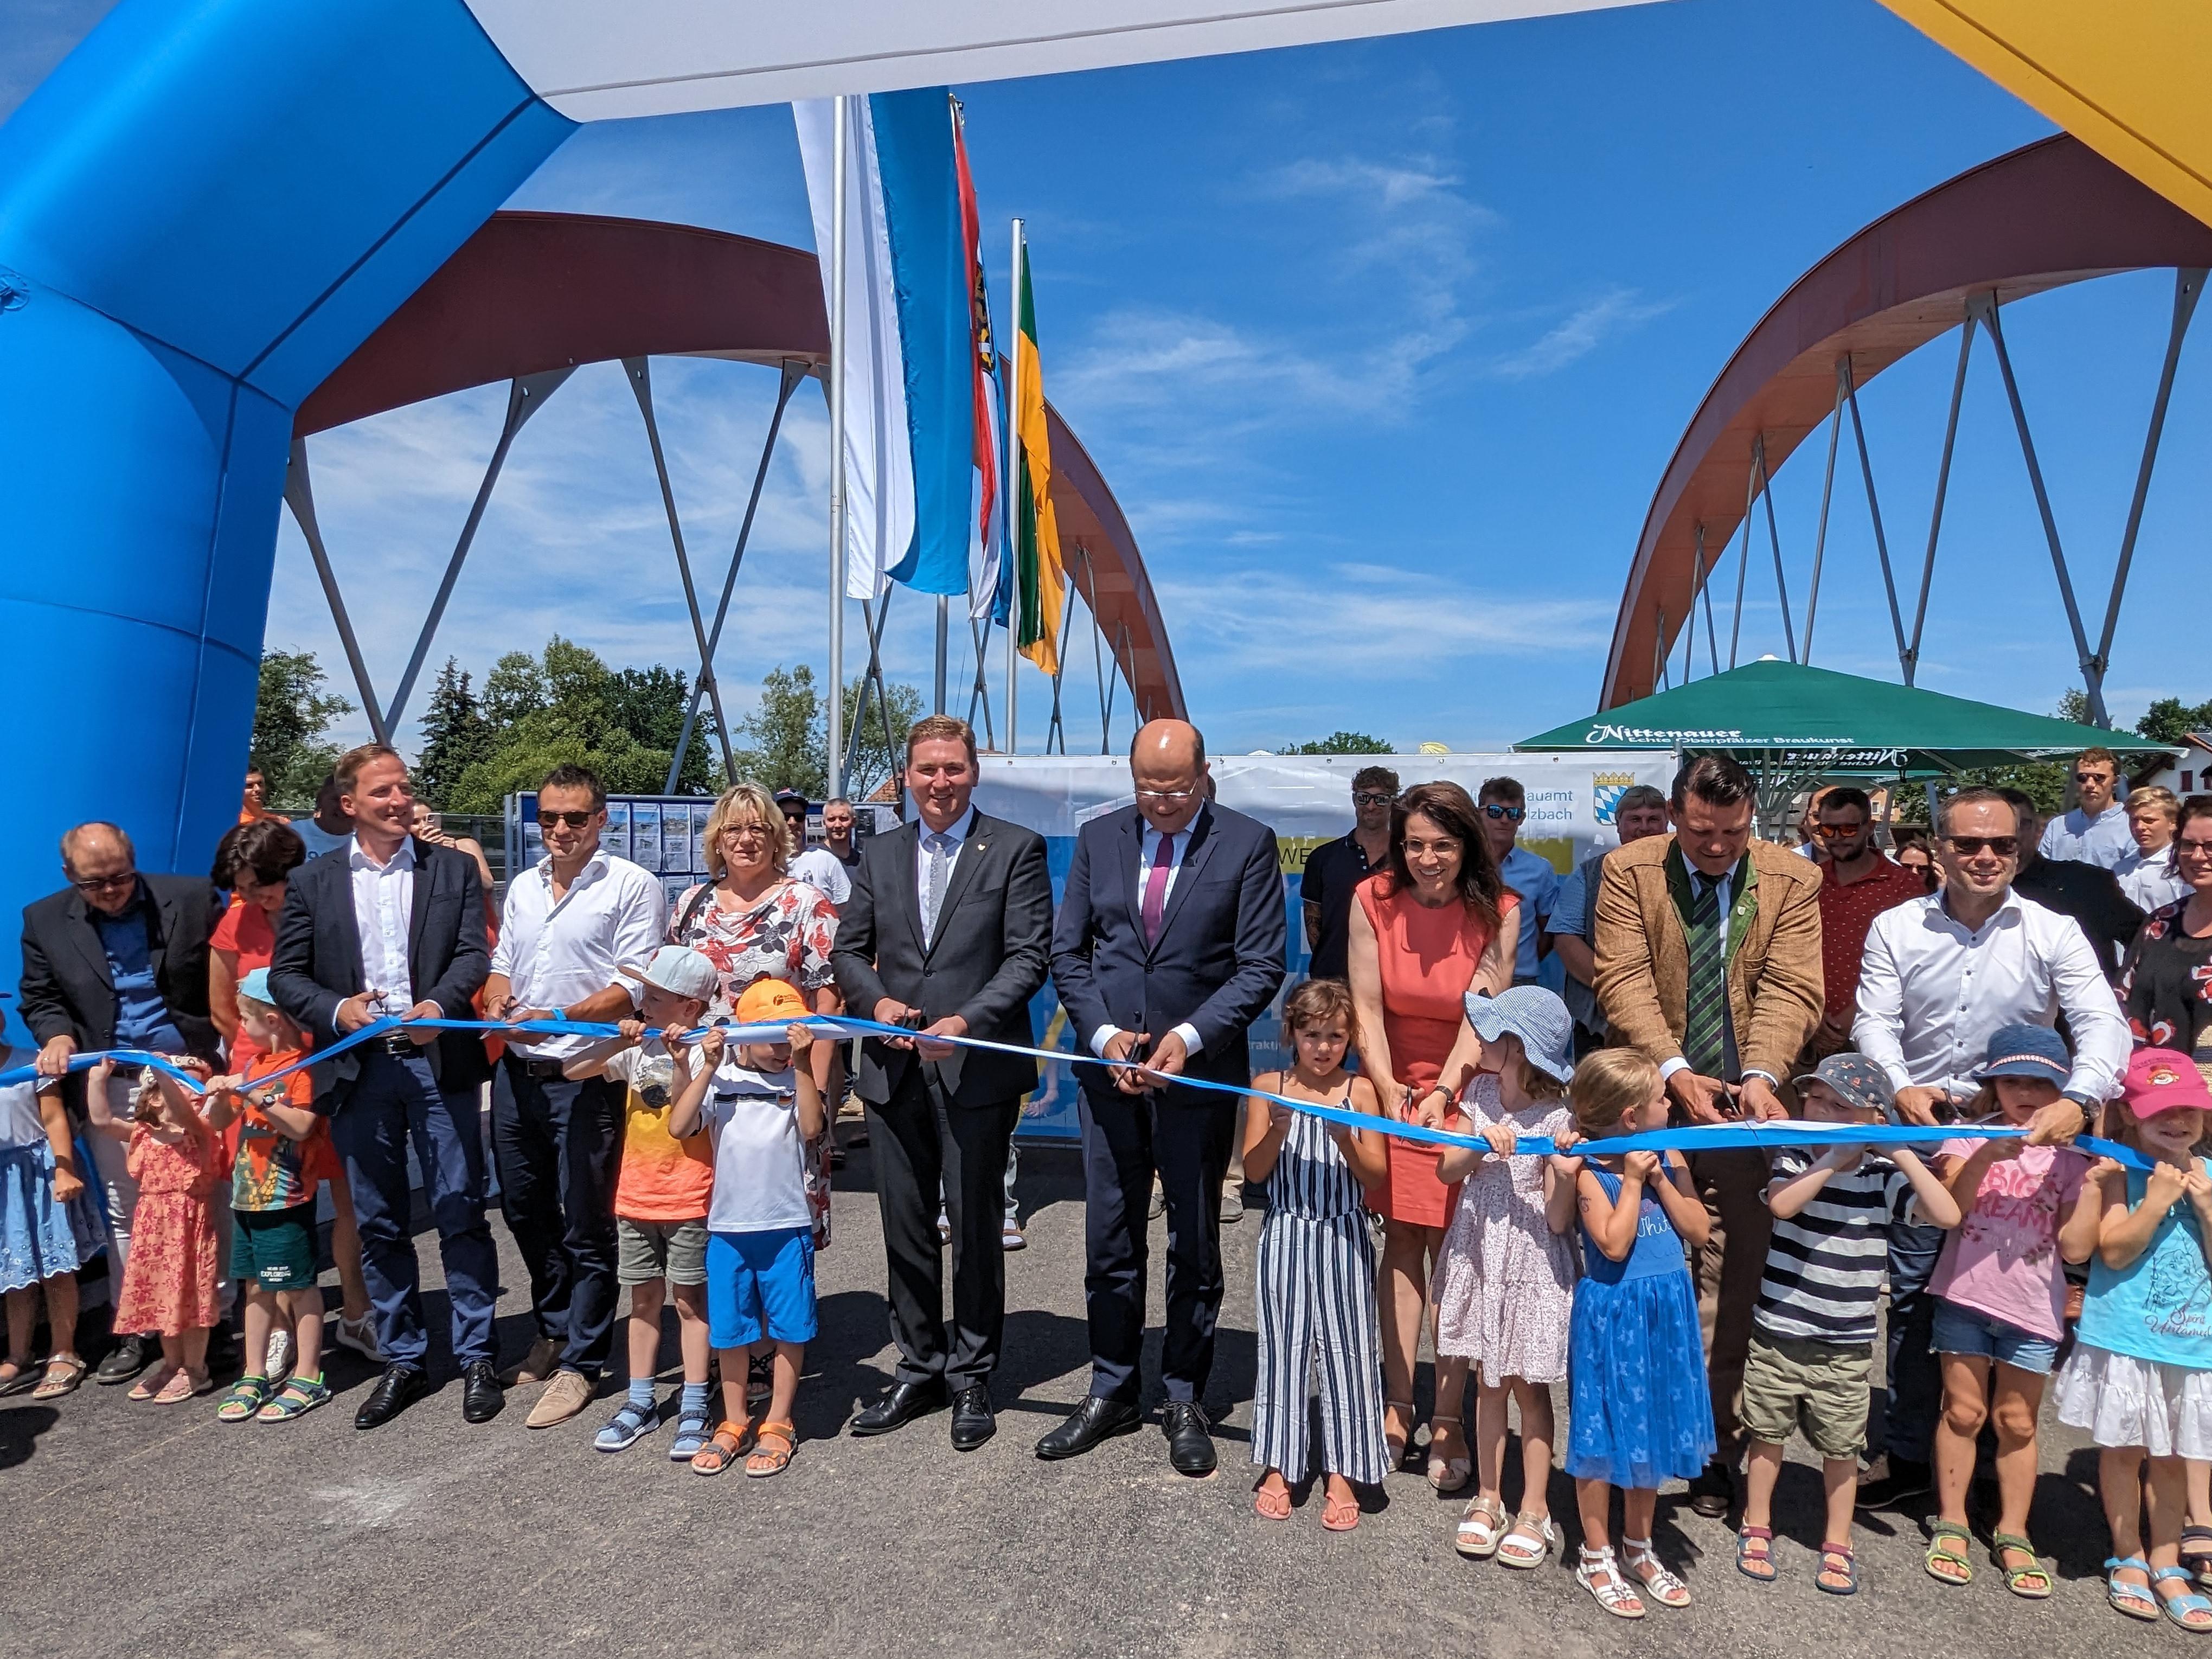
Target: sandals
(2136,1600)
(1668,1591)
(1397,1444)
(1446,1474)
(1541,1537)
(1759,1567)
(2191,1611)
(19,1375)
(299,1396)
(766,1461)
(154,1379)
(730,1442)
(692,1428)
(1601,1575)
(2197,1553)
(1849,1572)
(183,1382)
(1340,1513)
(64,1372)
(2031,1583)
(1272,1502)
(247,1395)
(1476,1536)
(1954,1568)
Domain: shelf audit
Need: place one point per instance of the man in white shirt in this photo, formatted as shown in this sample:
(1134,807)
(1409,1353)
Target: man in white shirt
(2147,876)
(830,865)
(2096,830)
(1940,974)
(572,922)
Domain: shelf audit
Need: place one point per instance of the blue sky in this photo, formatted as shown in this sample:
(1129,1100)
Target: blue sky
(1383,347)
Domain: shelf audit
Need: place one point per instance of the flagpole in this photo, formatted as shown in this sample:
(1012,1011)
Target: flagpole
(835,757)
(943,625)
(1014,459)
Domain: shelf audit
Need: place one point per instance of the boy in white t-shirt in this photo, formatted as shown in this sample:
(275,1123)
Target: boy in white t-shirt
(759,1106)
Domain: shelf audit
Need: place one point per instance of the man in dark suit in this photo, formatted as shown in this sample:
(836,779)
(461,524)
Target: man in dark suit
(1169,944)
(117,960)
(948,928)
(391,926)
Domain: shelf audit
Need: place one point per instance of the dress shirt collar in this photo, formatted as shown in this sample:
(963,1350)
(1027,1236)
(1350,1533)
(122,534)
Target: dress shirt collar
(594,867)
(1150,832)
(963,827)
(2010,907)
(357,856)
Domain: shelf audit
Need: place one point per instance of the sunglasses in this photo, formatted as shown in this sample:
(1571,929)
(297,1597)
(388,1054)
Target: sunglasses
(2093,777)
(2004,846)
(1512,814)
(1838,831)
(1371,798)
(573,820)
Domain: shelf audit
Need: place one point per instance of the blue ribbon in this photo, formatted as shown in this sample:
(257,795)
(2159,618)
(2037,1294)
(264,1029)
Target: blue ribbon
(1715,1137)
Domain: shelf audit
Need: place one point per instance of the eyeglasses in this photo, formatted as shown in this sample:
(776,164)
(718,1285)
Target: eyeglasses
(1838,831)
(1512,814)
(739,831)
(573,820)
(1371,798)
(2196,849)
(1166,795)
(2004,846)
(105,883)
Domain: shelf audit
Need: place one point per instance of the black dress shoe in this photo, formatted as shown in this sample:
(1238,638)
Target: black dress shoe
(1712,1493)
(973,1420)
(482,1397)
(1094,1420)
(125,1359)
(905,1402)
(1190,1447)
(1900,1481)
(400,1386)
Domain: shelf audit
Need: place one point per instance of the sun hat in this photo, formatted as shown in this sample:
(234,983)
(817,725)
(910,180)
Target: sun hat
(767,1000)
(2160,1080)
(2026,1051)
(682,971)
(1857,1078)
(1540,1019)
(254,987)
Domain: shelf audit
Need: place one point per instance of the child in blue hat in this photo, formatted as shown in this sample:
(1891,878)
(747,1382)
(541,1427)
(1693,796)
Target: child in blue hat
(1999,1291)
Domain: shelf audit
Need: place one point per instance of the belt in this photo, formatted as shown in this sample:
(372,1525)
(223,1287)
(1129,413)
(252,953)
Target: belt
(399,1047)
(535,1068)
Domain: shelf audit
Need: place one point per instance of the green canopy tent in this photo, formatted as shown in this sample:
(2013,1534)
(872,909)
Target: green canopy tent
(1795,725)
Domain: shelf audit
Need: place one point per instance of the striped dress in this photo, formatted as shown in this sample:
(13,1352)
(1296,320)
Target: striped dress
(1316,1313)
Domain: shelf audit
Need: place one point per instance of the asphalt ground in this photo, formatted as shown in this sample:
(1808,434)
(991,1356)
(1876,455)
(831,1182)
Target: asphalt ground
(142,1529)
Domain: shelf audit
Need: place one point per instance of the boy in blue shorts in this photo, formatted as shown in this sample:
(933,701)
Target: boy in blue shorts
(759,1106)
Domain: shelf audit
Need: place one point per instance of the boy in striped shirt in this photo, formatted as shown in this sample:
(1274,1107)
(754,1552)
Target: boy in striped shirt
(1812,1345)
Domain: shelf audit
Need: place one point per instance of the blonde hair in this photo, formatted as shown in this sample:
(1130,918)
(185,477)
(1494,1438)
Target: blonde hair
(1539,1085)
(2152,797)
(1608,1086)
(739,800)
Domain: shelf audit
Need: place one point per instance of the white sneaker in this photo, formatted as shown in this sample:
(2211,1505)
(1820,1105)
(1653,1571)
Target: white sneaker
(360,1336)
(279,1362)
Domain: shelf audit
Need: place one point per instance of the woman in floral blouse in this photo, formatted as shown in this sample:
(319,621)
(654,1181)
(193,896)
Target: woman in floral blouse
(753,919)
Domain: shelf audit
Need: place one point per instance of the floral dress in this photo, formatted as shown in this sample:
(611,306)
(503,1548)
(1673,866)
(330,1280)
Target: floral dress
(786,934)
(168,1278)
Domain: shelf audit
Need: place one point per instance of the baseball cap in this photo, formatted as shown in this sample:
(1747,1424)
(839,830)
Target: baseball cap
(2161,1080)
(1539,1018)
(254,987)
(2026,1051)
(1854,1077)
(767,1000)
(682,971)
(787,799)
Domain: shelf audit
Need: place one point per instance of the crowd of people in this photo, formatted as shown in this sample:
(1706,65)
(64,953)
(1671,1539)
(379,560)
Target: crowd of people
(2024,986)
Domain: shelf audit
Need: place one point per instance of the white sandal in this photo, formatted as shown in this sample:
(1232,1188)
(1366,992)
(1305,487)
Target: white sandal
(1477,1535)
(1447,1475)
(1601,1575)
(1537,1529)
(1668,1591)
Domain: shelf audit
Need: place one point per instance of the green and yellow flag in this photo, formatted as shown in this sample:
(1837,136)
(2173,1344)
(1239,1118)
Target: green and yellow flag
(1041,580)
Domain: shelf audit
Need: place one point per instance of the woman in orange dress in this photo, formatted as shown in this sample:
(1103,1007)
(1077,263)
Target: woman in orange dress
(1433,924)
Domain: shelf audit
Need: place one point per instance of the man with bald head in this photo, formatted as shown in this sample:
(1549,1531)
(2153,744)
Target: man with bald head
(1171,942)
(116,959)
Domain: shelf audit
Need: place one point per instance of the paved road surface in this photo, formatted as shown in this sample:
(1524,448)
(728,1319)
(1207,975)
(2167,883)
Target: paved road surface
(139,1529)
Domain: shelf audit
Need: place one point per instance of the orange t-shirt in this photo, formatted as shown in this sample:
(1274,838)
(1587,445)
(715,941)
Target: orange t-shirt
(662,1178)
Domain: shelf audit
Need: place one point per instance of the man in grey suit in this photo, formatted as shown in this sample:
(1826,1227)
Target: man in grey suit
(948,930)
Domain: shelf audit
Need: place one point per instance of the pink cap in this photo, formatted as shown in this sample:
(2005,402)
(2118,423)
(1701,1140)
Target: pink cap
(2160,1080)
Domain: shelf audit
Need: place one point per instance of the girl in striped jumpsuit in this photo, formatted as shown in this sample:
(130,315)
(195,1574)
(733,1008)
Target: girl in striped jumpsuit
(1317,1267)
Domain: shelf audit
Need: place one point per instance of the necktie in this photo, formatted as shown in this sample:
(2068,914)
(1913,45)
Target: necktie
(1707,1002)
(1155,891)
(932,895)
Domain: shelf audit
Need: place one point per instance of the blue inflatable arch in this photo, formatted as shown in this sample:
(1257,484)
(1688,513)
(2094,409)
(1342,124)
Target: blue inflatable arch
(211,202)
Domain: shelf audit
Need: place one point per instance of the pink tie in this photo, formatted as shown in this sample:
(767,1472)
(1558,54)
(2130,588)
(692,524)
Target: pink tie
(1155,891)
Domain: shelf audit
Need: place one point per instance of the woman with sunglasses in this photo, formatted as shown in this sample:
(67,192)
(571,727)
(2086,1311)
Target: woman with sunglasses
(1436,922)
(2166,982)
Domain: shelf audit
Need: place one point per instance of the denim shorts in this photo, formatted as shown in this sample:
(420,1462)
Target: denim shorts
(1964,1330)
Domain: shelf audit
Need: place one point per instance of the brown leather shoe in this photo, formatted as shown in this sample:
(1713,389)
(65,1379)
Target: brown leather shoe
(569,1392)
(542,1361)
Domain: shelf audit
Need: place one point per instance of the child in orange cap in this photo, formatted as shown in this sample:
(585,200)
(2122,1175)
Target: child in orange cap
(759,1108)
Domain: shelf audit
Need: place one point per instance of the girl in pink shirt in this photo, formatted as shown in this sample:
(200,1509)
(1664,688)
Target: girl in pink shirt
(2000,1293)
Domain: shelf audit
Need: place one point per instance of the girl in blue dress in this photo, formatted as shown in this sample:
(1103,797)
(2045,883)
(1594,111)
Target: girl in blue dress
(1636,1366)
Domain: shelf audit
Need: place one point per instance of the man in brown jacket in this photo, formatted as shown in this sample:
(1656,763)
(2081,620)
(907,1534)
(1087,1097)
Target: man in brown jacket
(1709,961)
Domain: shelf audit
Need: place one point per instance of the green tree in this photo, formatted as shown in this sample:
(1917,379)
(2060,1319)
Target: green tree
(649,703)
(291,713)
(563,706)
(2170,720)
(873,758)
(1340,743)
(785,743)
(456,735)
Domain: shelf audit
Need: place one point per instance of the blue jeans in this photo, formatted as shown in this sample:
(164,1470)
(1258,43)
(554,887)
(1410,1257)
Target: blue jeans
(1914,1376)
(393,1100)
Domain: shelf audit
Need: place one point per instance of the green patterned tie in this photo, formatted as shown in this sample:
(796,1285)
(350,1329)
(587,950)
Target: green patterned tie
(1708,993)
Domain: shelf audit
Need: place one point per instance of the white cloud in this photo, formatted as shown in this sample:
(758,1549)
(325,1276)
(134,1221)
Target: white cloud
(1578,335)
